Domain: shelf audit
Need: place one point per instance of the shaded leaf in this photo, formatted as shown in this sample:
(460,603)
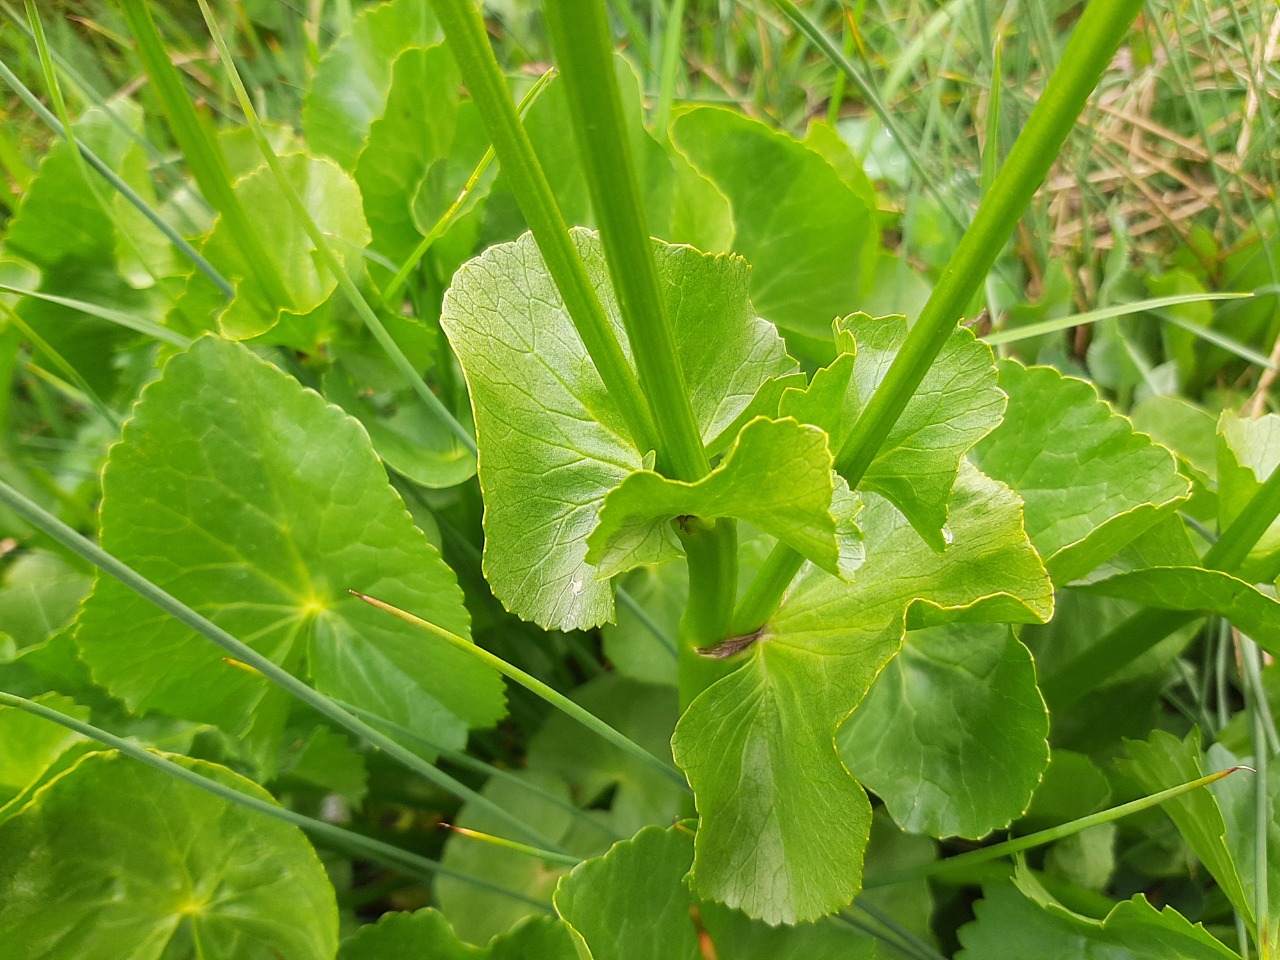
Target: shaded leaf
(952,735)
(184,874)
(349,89)
(802,228)
(1012,926)
(1164,761)
(333,201)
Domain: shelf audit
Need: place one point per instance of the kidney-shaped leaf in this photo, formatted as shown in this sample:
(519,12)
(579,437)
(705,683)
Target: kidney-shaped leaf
(802,228)
(115,859)
(952,735)
(1091,483)
(783,825)
(259,505)
(552,443)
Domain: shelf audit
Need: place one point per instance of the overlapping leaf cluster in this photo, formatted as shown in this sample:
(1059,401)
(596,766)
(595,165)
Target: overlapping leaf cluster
(895,662)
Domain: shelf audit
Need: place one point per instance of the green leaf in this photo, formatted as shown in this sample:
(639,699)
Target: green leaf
(1196,589)
(952,735)
(416,130)
(28,744)
(542,412)
(333,200)
(799,224)
(428,935)
(660,594)
(1161,762)
(397,936)
(783,824)
(1090,482)
(1012,926)
(1248,451)
(349,89)
(1238,800)
(259,505)
(641,882)
(40,595)
(183,874)
(778,476)
(957,404)
(640,878)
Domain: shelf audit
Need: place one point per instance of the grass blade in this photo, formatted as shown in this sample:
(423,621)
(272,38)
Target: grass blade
(118,317)
(1104,313)
(202,151)
(1039,839)
(538,688)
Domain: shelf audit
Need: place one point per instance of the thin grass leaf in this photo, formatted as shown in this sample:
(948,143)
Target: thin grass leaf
(1104,313)
(1040,838)
(121,319)
(538,688)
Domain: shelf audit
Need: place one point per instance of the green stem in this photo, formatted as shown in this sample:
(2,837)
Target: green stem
(325,252)
(465,32)
(202,152)
(536,687)
(712,552)
(584,52)
(348,840)
(1093,42)
(1032,840)
(44,521)
(1256,707)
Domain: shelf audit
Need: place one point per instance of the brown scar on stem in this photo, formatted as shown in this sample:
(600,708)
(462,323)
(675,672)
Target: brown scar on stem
(734,645)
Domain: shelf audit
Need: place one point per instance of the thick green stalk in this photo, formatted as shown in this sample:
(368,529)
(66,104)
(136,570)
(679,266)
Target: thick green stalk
(1095,39)
(349,840)
(712,551)
(537,688)
(202,152)
(1145,629)
(1033,840)
(584,53)
(464,30)
(44,521)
